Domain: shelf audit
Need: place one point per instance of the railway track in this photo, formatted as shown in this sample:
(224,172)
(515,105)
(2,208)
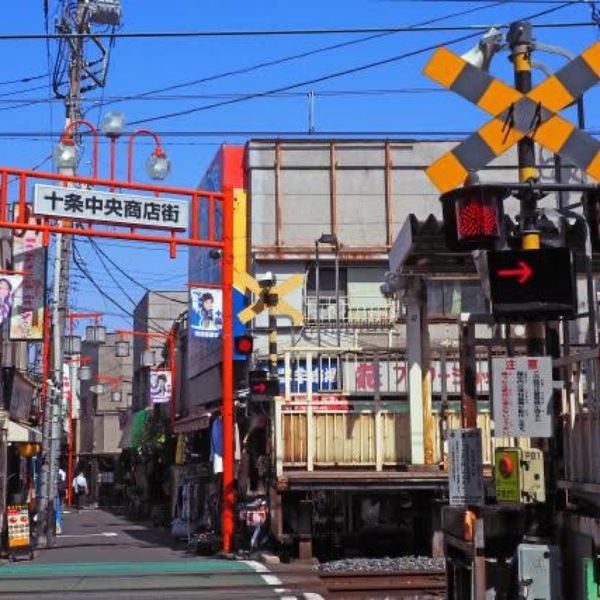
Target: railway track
(390,585)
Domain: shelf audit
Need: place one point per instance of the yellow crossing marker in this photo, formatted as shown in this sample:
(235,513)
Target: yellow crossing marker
(516,115)
(270,297)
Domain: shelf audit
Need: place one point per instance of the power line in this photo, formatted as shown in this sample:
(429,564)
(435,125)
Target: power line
(132,279)
(274,32)
(308,53)
(25,79)
(328,76)
(78,259)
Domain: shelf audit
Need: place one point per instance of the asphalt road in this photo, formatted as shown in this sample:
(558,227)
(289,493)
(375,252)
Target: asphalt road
(104,555)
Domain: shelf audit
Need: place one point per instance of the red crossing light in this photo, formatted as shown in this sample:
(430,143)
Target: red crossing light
(244,344)
(473,216)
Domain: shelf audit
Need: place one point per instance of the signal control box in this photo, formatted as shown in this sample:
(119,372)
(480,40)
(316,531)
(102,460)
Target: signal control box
(519,475)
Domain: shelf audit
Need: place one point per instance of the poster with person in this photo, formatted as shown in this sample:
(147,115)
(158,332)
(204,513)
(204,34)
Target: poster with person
(8,285)
(160,386)
(206,313)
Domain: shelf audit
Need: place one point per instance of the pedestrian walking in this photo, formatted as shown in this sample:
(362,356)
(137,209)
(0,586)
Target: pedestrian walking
(61,492)
(80,488)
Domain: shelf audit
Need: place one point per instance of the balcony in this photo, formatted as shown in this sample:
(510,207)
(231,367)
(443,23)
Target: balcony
(366,312)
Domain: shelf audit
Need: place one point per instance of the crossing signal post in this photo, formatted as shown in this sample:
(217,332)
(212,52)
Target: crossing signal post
(532,284)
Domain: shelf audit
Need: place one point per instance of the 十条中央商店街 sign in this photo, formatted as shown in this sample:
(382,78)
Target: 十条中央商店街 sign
(108,207)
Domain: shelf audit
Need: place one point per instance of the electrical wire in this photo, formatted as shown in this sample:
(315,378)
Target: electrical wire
(305,54)
(276,32)
(25,79)
(129,277)
(328,76)
(78,259)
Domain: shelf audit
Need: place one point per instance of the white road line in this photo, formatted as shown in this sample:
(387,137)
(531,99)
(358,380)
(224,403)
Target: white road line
(86,535)
(272,580)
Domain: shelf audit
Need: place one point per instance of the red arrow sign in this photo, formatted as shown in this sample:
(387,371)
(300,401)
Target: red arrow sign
(523,273)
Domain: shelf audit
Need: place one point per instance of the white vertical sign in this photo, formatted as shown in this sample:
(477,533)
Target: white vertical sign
(464,468)
(522,396)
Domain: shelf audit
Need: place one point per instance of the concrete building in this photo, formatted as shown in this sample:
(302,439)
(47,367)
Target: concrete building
(105,401)
(155,314)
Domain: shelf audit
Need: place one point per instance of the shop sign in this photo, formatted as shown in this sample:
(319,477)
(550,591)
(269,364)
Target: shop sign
(81,204)
(17,516)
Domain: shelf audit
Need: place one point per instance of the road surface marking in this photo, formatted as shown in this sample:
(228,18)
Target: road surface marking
(85,535)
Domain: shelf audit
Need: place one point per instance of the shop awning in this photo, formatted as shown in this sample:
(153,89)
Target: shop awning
(193,422)
(18,432)
(132,434)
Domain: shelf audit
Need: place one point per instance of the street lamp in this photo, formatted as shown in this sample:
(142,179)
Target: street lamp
(328,239)
(66,153)
(158,164)
(84,373)
(113,125)
(122,349)
(73,344)
(95,334)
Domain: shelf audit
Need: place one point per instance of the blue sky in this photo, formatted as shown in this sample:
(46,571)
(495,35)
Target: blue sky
(140,65)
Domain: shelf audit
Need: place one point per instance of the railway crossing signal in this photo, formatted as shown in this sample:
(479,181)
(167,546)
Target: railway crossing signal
(515,115)
(270,298)
(532,284)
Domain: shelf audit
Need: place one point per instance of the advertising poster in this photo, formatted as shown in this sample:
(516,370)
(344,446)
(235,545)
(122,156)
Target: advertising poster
(29,256)
(18,525)
(8,286)
(206,313)
(160,386)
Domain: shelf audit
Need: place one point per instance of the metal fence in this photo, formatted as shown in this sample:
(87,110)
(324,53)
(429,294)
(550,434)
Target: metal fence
(354,311)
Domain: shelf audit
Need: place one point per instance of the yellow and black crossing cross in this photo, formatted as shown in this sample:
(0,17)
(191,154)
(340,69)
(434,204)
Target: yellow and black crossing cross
(269,299)
(516,115)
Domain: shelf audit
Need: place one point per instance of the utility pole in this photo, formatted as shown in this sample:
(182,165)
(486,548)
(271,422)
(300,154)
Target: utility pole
(60,292)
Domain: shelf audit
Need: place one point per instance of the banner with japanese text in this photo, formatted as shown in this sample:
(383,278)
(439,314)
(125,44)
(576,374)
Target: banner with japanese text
(29,257)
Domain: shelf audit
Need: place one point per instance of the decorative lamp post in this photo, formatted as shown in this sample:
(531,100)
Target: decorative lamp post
(113,125)
(84,373)
(158,164)
(66,153)
(96,334)
(73,344)
(122,349)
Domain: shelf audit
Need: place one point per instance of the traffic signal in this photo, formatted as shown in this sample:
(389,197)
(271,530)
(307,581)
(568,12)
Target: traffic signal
(532,284)
(262,384)
(243,344)
(473,216)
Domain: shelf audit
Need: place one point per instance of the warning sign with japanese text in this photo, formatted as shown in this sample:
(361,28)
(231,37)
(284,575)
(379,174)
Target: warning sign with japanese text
(522,396)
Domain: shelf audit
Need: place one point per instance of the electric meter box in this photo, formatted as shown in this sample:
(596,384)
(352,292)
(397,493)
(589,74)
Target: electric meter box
(539,571)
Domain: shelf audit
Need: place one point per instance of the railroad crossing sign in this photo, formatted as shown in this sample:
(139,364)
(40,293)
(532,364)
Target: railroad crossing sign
(270,298)
(515,115)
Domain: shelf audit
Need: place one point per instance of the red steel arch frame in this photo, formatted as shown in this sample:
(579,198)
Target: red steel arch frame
(172,238)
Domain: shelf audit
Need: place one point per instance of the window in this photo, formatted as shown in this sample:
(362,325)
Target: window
(326,281)
(449,298)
